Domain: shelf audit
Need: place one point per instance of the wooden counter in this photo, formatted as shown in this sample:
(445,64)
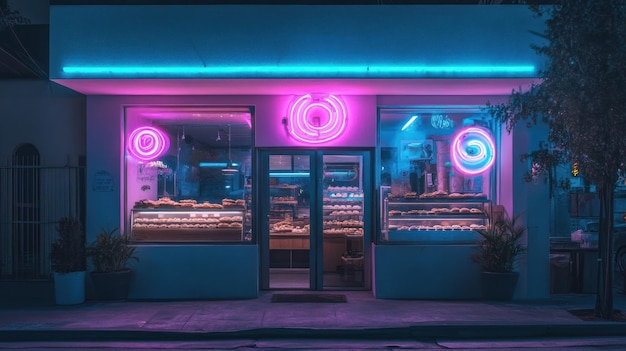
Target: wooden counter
(289,241)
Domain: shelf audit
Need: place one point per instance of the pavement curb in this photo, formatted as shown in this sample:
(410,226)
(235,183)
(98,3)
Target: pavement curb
(455,331)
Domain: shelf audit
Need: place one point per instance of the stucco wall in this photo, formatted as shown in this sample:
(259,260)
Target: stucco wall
(45,114)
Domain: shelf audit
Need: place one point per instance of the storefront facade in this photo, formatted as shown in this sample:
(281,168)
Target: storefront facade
(287,142)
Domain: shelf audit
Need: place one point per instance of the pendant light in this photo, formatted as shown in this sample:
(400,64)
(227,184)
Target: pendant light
(229,170)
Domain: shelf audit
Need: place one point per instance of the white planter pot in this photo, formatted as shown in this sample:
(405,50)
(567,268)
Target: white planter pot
(69,288)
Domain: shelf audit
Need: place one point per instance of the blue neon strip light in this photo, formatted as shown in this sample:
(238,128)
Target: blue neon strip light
(216,164)
(231,71)
(289,174)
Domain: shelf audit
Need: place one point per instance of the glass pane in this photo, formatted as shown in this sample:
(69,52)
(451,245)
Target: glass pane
(343,221)
(289,221)
(196,188)
(425,195)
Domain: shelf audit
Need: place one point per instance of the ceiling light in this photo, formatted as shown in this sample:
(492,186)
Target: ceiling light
(409,122)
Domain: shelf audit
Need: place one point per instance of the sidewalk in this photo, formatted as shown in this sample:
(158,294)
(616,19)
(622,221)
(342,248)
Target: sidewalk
(361,317)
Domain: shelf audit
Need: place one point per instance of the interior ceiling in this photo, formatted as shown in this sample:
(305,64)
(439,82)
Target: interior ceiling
(203,126)
(445,86)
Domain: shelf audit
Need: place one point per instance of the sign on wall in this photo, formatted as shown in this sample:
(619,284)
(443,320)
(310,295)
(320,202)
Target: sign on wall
(102,182)
(315,119)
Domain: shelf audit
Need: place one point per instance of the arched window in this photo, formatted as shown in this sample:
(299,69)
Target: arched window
(26,232)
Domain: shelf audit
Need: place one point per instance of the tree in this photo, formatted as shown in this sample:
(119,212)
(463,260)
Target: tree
(581,96)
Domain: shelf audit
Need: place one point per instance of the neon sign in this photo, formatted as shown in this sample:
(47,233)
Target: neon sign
(473,150)
(317,119)
(320,71)
(147,143)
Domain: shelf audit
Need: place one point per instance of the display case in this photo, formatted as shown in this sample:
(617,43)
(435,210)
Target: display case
(283,201)
(343,211)
(187,223)
(342,214)
(289,225)
(434,220)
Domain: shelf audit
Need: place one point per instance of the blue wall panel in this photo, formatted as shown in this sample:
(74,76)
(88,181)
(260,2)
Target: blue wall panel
(425,272)
(195,272)
(291,41)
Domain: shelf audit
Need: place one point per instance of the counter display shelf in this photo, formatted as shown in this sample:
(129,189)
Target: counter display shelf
(342,211)
(187,225)
(434,219)
(342,215)
(283,201)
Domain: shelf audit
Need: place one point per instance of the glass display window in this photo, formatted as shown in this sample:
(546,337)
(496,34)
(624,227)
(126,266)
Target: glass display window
(435,173)
(188,174)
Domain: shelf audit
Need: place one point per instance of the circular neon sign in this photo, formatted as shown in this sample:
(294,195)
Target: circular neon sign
(317,119)
(473,150)
(147,143)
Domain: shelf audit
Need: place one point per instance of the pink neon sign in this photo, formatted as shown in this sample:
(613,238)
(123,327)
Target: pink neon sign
(317,119)
(147,143)
(473,150)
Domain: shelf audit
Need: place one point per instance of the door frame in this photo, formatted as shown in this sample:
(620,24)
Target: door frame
(261,222)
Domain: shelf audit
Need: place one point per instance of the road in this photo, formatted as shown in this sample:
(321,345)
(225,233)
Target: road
(551,344)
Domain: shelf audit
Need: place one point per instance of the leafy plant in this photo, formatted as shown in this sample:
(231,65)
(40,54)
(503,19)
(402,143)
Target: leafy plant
(500,244)
(68,253)
(111,251)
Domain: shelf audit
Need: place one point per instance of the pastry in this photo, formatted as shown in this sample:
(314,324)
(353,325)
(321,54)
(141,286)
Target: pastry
(411,195)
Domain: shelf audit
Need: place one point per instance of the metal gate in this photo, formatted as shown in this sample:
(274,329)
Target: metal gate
(32,200)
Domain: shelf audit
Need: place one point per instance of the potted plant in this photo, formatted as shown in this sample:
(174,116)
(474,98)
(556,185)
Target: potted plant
(499,246)
(110,254)
(68,258)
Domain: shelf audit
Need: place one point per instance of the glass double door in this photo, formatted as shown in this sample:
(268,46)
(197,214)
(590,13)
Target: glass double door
(315,219)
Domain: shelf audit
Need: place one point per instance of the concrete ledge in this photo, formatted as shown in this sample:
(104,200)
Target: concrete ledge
(451,332)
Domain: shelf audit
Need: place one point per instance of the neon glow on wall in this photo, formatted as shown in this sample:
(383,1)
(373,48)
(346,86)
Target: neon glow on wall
(473,150)
(147,143)
(317,119)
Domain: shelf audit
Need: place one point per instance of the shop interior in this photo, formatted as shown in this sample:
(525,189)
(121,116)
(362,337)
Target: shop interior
(416,164)
(316,232)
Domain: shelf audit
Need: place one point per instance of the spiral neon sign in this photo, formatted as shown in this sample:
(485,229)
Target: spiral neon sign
(317,119)
(473,150)
(147,143)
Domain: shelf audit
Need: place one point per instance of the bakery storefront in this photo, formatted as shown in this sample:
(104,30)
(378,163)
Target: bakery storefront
(239,174)
(205,190)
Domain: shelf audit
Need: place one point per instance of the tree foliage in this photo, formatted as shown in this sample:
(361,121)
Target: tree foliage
(581,97)
(10,18)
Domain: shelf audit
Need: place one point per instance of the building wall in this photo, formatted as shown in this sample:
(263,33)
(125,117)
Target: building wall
(45,114)
(531,201)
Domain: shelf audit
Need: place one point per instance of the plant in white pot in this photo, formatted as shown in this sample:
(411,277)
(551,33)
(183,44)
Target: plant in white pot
(110,254)
(500,244)
(68,258)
